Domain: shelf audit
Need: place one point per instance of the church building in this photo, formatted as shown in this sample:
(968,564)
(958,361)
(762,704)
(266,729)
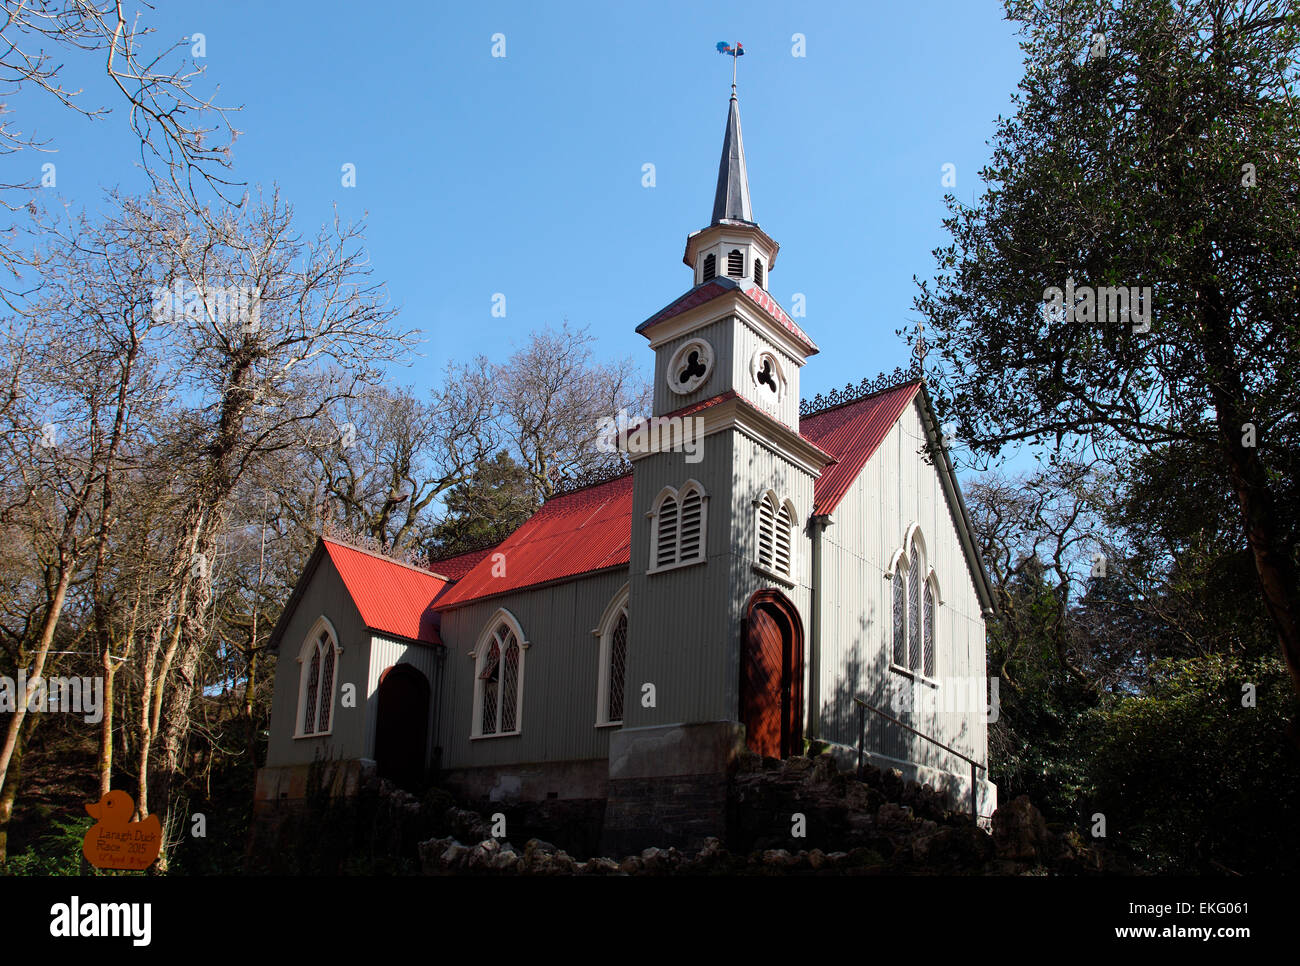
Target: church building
(637,636)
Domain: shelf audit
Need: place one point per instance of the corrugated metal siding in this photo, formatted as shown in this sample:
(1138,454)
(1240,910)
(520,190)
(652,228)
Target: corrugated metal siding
(851,434)
(719,335)
(386,653)
(683,648)
(747,342)
(691,651)
(560,667)
(896,488)
(325,595)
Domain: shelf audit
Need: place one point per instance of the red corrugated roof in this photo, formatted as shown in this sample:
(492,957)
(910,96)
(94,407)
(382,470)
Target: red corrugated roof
(708,291)
(456,567)
(393,598)
(851,433)
(589,529)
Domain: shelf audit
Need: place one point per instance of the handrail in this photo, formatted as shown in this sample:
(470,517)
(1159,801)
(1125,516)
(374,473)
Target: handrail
(863,708)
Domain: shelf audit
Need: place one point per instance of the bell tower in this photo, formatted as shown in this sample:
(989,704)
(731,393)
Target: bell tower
(718,544)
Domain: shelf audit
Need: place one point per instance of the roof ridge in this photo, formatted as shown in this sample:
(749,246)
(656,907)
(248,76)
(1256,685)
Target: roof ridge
(347,545)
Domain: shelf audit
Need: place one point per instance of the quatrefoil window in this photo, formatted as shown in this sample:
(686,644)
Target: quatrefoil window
(689,366)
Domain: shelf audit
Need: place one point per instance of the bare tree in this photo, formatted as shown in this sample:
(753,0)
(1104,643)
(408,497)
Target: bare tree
(184,136)
(553,395)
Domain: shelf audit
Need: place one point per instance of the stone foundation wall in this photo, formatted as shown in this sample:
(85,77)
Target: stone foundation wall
(668,784)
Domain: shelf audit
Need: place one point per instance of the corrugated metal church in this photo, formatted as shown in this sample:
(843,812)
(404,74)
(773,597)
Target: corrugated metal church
(634,638)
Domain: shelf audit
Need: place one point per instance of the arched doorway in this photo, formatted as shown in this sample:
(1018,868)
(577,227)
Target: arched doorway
(402,725)
(771,675)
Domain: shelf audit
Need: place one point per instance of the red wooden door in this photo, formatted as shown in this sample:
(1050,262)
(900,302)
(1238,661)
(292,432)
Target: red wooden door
(761,684)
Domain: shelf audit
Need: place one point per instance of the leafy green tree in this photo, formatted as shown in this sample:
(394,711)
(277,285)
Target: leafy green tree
(486,508)
(1214,726)
(1155,147)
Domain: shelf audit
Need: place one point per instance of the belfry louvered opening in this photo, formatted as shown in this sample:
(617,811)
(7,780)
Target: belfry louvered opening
(691,519)
(679,527)
(710,267)
(666,542)
(758,272)
(775,535)
(736,263)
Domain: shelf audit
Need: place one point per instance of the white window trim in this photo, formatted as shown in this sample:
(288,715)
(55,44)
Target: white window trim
(604,634)
(793,553)
(778,372)
(678,360)
(481,648)
(653,515)
(305,652)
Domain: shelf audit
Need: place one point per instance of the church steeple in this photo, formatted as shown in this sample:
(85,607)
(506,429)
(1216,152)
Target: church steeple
(732,246)
(731,201)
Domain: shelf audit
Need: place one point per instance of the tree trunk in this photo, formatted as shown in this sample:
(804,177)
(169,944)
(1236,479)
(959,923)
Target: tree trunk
(9,793)
(43,642)
(1249,480)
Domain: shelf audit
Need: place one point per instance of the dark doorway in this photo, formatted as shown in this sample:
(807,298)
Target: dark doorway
(402,726)
(771,676)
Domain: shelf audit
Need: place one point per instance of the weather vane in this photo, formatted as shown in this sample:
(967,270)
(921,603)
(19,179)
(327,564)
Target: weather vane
(735,52)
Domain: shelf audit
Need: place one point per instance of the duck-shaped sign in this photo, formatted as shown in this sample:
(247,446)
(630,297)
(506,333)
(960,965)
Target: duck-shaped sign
(116,842)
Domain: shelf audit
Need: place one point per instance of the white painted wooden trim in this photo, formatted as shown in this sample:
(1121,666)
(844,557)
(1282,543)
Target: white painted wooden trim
(617,606)
(308,647)
(481,648)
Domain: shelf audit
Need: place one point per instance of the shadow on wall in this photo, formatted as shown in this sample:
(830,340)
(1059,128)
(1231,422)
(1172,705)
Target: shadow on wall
(866,674)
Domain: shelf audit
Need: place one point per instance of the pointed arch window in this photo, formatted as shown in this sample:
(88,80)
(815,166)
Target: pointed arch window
(710,267)
(678,527)
(915,597)
(611,678)
(499,678)
(774,535)
(900,615)
(318,657)
(736,263)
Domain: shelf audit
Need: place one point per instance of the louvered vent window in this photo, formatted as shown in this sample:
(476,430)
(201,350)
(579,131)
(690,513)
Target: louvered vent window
(736,263)
(680,529)
(666,546)
(710,266)
(691,518)
(784,530)
(766,533)
(758,272)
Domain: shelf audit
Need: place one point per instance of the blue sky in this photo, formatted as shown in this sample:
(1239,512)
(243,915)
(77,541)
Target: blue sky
(523,174)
